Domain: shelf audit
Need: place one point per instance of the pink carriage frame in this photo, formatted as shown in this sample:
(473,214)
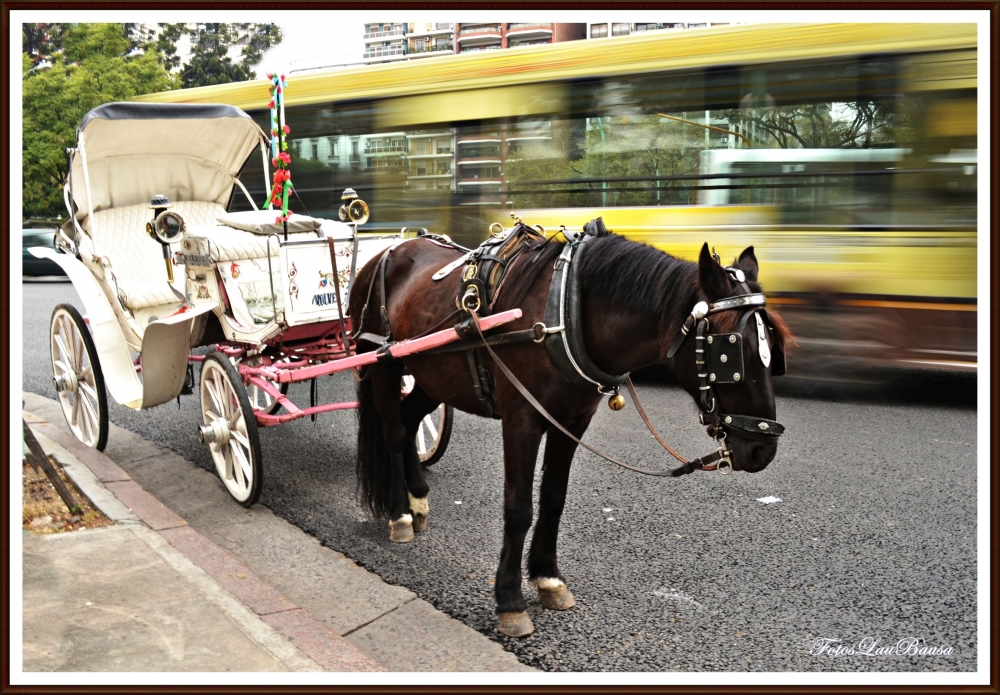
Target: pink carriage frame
(325,356)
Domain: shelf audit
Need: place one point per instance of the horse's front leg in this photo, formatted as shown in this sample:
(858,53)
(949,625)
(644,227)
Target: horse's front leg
(542,567)
(521,437)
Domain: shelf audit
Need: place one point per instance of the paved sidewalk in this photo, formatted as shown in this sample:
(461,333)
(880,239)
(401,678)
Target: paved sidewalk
(302,606)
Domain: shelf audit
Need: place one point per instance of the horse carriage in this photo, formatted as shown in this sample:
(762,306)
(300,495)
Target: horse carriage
(580,309)
(163,269)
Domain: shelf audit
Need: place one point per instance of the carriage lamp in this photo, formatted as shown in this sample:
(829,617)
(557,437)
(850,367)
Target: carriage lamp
(355,211)
(166,228)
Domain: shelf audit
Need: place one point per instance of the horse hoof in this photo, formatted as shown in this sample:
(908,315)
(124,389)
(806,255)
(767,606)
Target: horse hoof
(516,624)
(401,530)
(419,509)
(553,594)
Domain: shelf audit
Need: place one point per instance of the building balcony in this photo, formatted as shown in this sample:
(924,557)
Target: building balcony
(432,155)
(471,182)
(479,35)
(528,31)
(438,30)
(384,34)
(391,53)
(432,133)
(481,162)
(420,177)
(517,137)
(432,51)
(470,138)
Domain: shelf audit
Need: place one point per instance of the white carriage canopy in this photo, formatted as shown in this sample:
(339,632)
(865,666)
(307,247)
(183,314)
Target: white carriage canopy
(133,151)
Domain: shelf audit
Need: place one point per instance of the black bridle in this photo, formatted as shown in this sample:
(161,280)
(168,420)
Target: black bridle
(719,359)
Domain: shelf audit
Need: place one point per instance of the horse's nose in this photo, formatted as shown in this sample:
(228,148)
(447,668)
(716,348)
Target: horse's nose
(759,456)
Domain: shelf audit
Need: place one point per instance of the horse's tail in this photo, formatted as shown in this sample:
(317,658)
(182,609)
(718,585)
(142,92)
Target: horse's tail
(374,479)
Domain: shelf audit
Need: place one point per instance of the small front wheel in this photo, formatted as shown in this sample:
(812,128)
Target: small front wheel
(76,374)
(230,429)
(434,431)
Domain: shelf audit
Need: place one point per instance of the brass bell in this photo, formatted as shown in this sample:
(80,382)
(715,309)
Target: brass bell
(616,402)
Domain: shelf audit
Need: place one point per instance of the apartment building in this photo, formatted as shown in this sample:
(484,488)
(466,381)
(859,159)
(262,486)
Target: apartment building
(430,39)
(495,36)
(601,30)
(385,42)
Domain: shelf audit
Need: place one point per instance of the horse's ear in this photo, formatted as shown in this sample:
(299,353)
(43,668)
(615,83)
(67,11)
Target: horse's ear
(712,277)
(747,262)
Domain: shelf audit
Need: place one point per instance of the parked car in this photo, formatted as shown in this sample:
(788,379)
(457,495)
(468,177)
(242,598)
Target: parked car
(34,267)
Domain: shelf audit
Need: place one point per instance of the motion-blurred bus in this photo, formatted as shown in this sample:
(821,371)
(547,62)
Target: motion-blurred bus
(845,154)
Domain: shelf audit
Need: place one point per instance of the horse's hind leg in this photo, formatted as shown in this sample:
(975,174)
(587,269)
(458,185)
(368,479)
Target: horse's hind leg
(542,567)
(386,384)
(416,406)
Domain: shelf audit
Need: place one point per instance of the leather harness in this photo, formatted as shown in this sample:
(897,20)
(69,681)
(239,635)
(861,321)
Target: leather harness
(484,271)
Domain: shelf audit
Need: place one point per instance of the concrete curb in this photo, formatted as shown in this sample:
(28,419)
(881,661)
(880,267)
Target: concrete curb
(114,492)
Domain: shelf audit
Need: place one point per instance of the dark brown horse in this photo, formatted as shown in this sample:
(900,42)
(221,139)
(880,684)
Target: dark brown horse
(635,304)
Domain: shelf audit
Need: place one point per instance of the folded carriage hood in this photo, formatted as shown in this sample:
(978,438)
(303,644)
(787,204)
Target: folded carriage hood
(184,151)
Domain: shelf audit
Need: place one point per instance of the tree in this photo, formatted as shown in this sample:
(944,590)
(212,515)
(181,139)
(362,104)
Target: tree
(856,124)
(210,61)
(94,70)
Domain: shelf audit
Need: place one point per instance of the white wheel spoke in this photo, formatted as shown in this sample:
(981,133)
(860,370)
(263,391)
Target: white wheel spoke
(62,366)
(240,438)
(75,412)
(67,356)
(212,415)
(421,444)
(78,349)
(86,372)
(241,466)
(213,393)
(89,391)
(89,415)
(227,455)
(428,422)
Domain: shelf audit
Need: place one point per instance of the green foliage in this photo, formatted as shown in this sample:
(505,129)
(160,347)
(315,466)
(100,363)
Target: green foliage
(210,62)
(92,71)
(41,40)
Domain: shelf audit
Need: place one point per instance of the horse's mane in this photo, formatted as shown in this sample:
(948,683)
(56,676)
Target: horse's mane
(631,274)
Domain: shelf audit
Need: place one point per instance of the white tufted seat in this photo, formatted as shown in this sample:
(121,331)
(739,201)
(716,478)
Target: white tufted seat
(228,244)
(138,273)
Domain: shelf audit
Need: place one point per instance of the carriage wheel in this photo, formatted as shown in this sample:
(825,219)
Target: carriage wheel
(434,430)
(261,400)
(77,377)
(230,429)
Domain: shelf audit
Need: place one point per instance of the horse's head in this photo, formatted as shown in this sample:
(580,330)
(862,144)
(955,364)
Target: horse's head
(731,349)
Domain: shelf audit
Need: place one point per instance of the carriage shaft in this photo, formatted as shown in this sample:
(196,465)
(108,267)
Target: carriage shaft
(400,349)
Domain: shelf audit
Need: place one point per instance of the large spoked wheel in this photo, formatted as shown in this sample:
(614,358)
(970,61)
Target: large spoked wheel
(77,377)
(261,400)
(230,429)
(434,431)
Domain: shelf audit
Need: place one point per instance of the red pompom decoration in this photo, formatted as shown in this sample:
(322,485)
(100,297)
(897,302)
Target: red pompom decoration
(287,130)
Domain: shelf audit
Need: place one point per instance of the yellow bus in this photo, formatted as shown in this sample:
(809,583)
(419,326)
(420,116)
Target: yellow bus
(846,154)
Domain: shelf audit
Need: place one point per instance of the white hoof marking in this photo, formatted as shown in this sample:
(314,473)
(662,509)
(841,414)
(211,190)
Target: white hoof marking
(548,584)
(405,520)
(419,505)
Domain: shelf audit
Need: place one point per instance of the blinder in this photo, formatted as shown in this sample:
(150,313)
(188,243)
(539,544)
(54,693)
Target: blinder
(725,358)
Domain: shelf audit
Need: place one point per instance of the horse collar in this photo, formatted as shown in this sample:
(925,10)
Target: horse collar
(564,332)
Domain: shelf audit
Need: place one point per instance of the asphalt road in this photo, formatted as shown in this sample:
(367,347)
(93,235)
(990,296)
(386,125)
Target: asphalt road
(874,539)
